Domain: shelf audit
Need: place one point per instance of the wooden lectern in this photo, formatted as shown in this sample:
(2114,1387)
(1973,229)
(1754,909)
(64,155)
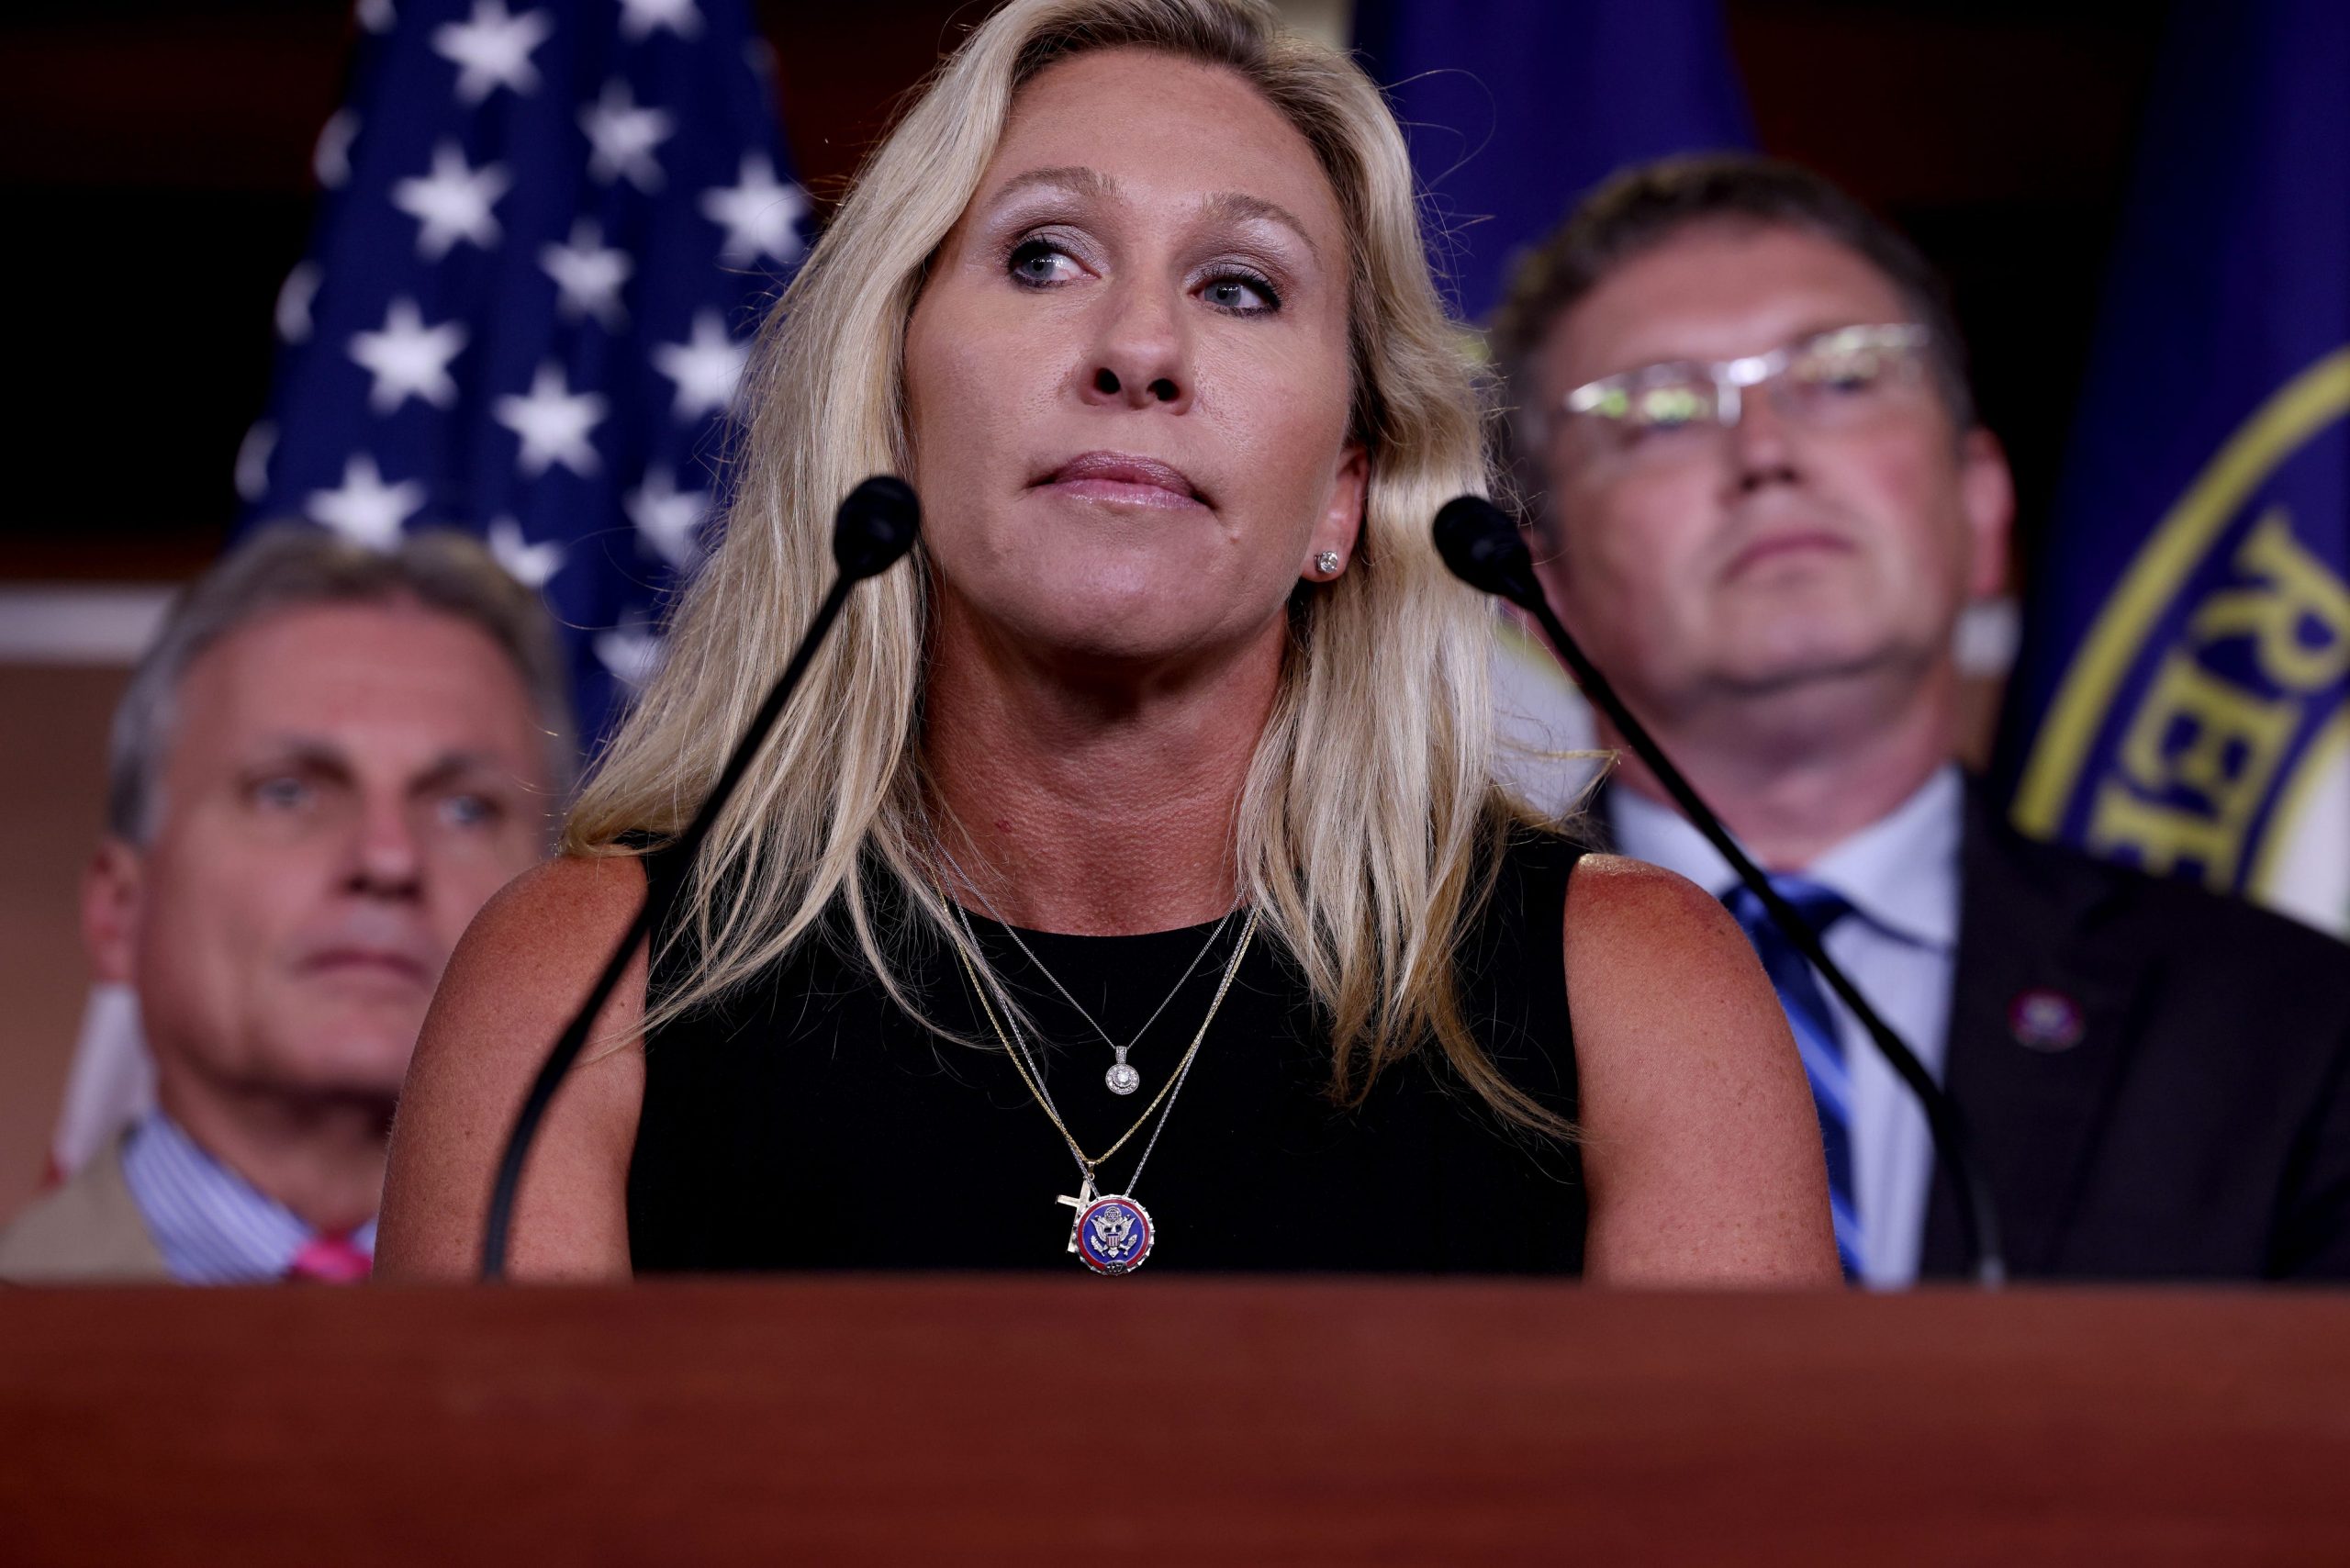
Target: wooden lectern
(953,1421)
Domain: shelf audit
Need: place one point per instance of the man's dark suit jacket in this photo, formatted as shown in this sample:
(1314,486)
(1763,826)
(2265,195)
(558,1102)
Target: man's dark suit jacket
(2199,1128)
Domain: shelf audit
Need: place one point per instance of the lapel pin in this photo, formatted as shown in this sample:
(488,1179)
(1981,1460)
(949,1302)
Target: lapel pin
(2046,1020)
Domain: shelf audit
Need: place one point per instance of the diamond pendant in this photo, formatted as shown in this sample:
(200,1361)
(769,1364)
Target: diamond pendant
(1121,1078)
(1115,1234)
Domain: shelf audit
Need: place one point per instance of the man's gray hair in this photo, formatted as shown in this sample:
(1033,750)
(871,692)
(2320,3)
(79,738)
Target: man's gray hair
(292,566)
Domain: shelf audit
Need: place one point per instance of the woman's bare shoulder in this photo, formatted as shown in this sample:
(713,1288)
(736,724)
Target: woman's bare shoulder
(1650,954)
(529,957)
(556,911)
(1701,1146)
(523,966)
(1618,906)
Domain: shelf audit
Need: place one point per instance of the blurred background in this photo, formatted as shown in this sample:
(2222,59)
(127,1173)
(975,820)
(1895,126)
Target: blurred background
(156,160)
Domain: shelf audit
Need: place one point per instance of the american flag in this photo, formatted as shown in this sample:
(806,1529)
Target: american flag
(547,232)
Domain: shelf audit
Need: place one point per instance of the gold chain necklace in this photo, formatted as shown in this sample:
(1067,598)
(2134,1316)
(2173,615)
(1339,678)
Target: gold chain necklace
(1111,1232)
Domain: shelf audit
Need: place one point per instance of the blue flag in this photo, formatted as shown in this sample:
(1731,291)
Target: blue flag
(2185,703)
(1515,108)
(545,233)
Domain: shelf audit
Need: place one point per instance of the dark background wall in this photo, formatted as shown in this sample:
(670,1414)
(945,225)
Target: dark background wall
(154,169)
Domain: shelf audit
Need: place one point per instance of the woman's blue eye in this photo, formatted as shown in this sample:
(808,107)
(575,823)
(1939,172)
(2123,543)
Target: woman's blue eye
(1039,263)
(1244,294)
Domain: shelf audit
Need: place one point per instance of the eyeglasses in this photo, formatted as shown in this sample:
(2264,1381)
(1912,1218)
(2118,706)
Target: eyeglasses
(1822,379)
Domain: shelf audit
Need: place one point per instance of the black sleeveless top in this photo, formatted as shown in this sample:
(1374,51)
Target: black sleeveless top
(808,1122)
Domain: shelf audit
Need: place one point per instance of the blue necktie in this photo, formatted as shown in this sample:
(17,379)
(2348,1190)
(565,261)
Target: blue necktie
(1815,1031)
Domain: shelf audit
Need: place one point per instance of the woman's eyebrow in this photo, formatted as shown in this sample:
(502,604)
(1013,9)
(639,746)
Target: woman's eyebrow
(1229,205)
(1236,207)
(1073,178)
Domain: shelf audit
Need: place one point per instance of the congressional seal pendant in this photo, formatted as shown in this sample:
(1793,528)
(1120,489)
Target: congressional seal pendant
(1115,1234)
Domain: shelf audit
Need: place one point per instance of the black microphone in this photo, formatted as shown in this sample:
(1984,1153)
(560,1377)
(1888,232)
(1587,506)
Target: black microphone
(1485,550)
(875,525)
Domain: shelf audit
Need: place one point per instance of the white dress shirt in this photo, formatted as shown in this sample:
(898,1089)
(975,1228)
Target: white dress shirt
(1899,946)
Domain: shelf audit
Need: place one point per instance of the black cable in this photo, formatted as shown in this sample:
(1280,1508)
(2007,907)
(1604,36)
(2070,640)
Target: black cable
(875,525)
(1485,549)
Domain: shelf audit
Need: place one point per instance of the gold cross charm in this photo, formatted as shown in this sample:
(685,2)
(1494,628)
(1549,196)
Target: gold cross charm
(1083,1201)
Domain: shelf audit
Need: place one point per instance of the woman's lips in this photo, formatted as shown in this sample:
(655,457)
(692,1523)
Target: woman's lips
(1125,479)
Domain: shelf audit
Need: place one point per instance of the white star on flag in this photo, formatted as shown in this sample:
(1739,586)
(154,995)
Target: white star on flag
(528,564)
(492,50)
(529,305)
(622,137)
(640,17)
(631,652)
(365,511)
(761,215)
(452,202)
(669,521)
(707,367)
(253,453)
(409,359)
(553,422)
(331,159)
(587,275)
(293,297)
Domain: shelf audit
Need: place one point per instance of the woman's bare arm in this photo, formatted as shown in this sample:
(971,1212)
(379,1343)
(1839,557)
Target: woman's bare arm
(1702,1151)
(525,965)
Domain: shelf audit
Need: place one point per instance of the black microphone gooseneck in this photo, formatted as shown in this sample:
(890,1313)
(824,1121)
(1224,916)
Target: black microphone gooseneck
(875,525)
(1485,550)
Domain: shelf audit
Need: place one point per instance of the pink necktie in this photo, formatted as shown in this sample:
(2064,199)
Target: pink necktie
(330,1260)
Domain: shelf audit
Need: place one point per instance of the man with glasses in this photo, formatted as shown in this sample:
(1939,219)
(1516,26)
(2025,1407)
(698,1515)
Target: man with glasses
(1763,500)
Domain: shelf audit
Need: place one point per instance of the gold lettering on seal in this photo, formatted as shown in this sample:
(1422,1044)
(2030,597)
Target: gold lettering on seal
(2202,752)
(2207,737)
(2293,594)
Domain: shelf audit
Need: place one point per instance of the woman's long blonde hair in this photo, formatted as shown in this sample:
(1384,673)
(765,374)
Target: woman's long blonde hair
(1370,808)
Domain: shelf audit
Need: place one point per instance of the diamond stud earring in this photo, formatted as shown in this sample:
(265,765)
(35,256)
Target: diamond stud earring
(1327,562)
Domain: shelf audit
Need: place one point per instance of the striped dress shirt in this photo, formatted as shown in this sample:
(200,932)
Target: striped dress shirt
(211,1225)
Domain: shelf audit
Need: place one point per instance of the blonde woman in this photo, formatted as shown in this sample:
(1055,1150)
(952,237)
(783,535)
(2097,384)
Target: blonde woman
(1129,883)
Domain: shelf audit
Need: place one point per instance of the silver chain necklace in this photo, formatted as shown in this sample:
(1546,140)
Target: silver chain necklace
(1121,1078)
(1110,1232)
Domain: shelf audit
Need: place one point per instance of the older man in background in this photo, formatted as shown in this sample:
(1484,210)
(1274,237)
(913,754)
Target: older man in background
(327,762)
(1749,442)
